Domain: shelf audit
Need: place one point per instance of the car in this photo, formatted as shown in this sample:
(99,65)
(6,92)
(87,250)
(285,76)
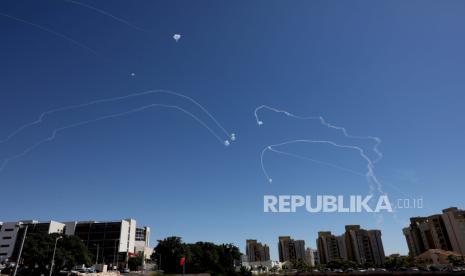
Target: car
(338,270)
(91,270)
(7,270)
(125,270)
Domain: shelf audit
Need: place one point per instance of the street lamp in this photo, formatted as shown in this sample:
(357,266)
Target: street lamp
(96,256)
(21,248)
(53,256)
(115,260)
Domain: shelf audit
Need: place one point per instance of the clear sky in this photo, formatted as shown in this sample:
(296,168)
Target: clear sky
(391,69)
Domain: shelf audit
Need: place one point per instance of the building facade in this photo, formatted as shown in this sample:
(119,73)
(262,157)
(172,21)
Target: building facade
(356,244)
(110,241)
(310,257)
(328,247)
(12,233)
(257,252)
(444,231)
(291,250)
(454,221)
(364,246)
(142,242)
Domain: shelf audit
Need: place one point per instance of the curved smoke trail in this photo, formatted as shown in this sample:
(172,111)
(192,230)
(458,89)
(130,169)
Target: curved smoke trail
(324,123)
(231,136)
(115,115)
(370,174)
(374,183)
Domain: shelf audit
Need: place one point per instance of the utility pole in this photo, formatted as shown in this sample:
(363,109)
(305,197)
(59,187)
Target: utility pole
(18,259)
(52,264)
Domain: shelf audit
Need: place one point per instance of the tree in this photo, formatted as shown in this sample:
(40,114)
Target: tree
(136,262)
(392,263)
(455,261)
(200,257)
(300,265)
(169,251)
(71,251)
(335,264)
(244,271)
(38,251)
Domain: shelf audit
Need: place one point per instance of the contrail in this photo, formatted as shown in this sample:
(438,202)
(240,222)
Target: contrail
(231,136)
(77,43)
(374,183)
(115,115)
(104,12)
(324,123)
(316,161)
(341,168)
(370,174)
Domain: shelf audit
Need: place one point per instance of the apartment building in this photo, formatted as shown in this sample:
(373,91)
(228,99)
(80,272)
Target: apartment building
(328,247)
(291,250)
(364,246)
(356,244)
(256,251)
(454,221)
(444,231)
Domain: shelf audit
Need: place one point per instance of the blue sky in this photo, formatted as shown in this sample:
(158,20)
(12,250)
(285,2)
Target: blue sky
(389,69)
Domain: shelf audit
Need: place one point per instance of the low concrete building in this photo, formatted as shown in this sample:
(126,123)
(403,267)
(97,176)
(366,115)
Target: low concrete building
(436,257)
(261,267)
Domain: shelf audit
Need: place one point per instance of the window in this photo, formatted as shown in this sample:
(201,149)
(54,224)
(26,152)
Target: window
(7,238)
(5,245)
(9,229)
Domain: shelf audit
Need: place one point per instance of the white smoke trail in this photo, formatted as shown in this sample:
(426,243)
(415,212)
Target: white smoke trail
(341,168)
(317,161)
(231,136)
(370,174)
(106,13)
(77,43)
(115,115)
(324,123)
